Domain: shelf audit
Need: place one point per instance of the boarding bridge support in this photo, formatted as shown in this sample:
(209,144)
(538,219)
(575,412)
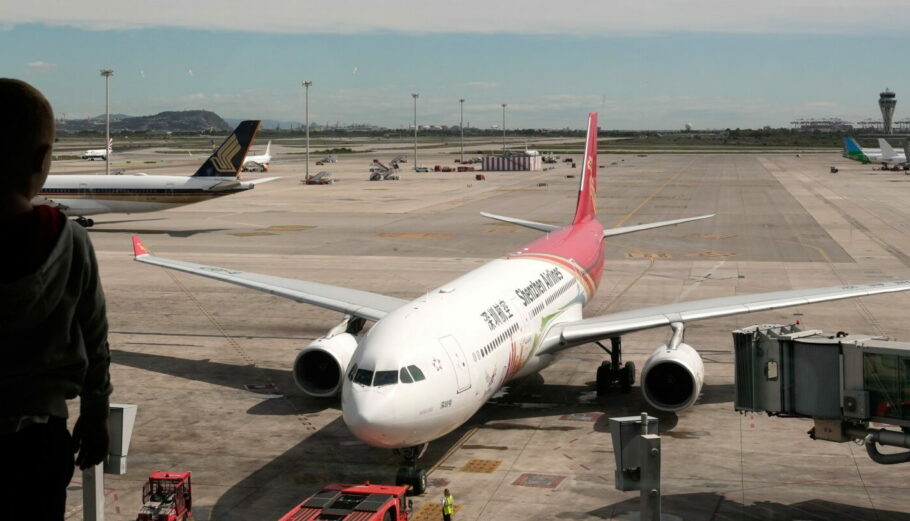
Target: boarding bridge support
(120,421)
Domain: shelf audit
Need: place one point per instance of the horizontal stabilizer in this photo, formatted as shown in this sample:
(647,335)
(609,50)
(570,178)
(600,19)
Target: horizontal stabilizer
(521,222)
(611,232)
(262,180)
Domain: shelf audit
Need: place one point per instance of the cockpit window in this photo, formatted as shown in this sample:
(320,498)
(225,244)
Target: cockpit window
(416,373)
(352,372)
(385,378)
(363,377)
(405,376)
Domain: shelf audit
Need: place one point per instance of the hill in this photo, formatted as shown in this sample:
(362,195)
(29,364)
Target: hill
(168,121)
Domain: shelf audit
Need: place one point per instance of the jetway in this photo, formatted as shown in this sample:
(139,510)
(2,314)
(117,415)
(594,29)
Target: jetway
(844,382)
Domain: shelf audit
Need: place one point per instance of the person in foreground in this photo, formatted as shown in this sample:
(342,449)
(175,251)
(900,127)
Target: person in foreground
(53,326)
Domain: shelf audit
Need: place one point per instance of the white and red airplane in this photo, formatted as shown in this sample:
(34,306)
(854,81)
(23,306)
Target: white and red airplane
(426,366)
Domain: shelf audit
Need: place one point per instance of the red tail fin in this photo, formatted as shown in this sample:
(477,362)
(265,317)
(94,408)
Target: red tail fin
(587,187)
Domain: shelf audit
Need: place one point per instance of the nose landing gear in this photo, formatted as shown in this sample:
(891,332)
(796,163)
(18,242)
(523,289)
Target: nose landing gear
(612,373)
(410,474)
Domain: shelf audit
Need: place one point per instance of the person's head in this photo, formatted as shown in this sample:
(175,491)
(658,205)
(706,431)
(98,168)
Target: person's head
(26,138)
(447,493)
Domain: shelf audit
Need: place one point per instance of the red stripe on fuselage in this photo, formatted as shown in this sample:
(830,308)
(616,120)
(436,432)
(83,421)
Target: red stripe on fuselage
(581,243)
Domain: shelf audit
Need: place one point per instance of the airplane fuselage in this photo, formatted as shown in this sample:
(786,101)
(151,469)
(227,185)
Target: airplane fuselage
(468,338)
(84,195)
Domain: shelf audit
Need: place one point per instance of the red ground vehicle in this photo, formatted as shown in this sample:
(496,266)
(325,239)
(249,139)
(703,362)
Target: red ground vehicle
(349,502)
(167,496)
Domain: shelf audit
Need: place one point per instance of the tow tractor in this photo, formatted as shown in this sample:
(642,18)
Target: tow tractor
(349,502)
(167,496)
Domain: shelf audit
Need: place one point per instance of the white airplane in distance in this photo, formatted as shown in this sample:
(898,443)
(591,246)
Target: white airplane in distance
(261,161)
(889,155)
(427,365)
(80,196)
(98,153)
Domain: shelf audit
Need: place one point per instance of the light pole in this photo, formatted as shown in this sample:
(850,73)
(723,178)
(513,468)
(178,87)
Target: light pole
(503,129)
(306,95)
(462,129)
(415,96)
(107,73)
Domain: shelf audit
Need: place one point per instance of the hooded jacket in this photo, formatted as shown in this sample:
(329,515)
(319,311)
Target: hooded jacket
(53,331)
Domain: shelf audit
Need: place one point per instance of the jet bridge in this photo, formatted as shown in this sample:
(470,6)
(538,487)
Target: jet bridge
(844,382)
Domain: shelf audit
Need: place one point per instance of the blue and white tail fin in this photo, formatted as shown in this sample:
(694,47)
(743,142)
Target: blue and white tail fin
(853,151)
(227,159)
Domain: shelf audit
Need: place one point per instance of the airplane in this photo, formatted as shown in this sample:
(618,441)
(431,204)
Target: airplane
(260,162)
(889,155)
(428,365)
(885,154)
(85,195)
(98,153)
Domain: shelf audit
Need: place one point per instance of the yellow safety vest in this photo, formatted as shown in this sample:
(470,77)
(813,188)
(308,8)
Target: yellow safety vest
(448,505)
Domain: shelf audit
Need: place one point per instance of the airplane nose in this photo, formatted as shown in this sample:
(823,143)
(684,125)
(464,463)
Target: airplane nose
(371,417)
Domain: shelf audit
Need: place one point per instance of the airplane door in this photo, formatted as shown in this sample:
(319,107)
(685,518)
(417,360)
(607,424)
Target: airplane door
(459,361)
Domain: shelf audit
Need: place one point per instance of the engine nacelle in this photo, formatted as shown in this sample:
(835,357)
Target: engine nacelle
(672,378)
(319,367)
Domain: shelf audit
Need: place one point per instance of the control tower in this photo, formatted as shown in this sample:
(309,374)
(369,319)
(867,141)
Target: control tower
(887,101)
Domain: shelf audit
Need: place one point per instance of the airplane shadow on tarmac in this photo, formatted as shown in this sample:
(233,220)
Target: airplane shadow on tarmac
(332,453)
(717,507)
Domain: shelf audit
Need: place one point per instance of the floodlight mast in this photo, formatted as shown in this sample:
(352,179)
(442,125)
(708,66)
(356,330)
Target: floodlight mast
(415,96)
(462,129)
(504,128)
(306,87)
(107,73)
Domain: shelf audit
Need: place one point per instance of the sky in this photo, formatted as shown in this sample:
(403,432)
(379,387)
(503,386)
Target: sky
(655,64)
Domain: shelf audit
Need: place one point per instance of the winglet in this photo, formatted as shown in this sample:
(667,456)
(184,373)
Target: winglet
(139,249)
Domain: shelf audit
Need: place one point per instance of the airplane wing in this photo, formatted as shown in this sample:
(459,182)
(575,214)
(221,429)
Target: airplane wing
(363,304)
(568,334)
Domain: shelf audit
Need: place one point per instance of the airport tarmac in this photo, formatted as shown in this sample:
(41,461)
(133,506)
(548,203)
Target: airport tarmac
(209,364)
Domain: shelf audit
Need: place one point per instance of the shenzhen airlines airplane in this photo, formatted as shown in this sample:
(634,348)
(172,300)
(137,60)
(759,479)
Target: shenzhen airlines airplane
(427,365)
(261,161)
(83,195)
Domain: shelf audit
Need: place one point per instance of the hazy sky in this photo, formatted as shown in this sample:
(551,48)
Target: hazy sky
(642,64)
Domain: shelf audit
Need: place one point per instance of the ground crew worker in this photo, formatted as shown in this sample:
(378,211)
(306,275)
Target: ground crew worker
(448,505)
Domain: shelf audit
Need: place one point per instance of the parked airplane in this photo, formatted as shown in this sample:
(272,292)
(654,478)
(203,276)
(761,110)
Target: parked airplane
(98,153)
(427,365)
(83,195)
(885,154)
(889,155)
(260,162)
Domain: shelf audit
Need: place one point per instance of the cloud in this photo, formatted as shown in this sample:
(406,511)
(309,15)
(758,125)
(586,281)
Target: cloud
(481,84)
(40,67)
(572,17)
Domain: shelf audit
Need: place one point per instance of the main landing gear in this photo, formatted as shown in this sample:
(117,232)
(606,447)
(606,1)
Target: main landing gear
(410,474)
(85,223)
(612,373)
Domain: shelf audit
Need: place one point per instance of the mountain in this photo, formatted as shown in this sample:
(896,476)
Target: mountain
(169,121)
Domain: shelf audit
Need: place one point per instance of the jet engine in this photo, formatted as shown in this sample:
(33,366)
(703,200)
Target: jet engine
(672,377)
(319,367)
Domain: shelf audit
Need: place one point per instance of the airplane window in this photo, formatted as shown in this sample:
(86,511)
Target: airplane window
(405,376)
(351,372)
(416,373)
(385,378)
(363,377)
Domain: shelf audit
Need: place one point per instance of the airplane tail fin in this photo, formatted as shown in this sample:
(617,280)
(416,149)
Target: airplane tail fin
(850,145)
(888,151)
(268,148)
(586,207)
(227,159)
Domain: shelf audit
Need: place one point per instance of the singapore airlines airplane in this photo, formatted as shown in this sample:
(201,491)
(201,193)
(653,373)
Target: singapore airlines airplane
(84,195)
(426,366)
(261,161)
